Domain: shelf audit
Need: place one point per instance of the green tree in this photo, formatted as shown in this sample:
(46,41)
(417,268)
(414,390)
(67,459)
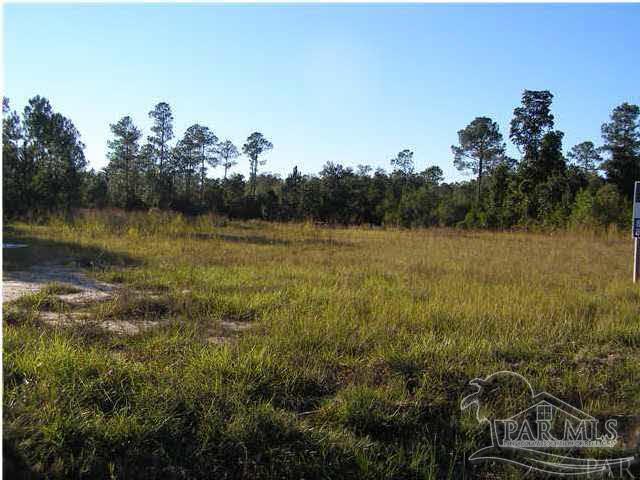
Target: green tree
(432,175)
(256,145)
(53,145)
(540,177)
(184,161)
(16,169)
(531,121)
(553,200)
(202,143)
(124,172)
(454,204)
(148,179)
(194,153)
(599,209)
(233,191)
(621,137)
(337,194)
(480,148)
(227,153)
(95,190)
(160,152)
(551,161)
(586,156)
(292,195)
(541,146)
(404,162)
(500,203)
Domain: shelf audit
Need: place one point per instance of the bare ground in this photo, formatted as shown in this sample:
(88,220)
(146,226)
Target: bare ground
(15,284)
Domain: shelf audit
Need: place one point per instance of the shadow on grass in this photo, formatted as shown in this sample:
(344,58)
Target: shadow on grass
(264,240)
(40,251)
(13,465)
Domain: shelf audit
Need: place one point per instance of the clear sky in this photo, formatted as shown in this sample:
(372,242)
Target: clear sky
(344,83)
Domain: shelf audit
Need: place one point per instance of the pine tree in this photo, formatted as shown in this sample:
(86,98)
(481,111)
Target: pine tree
(162,129)
(256,145)
(621,137)
(124,171)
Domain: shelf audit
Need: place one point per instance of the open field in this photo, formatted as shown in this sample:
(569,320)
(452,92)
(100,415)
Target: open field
(255,350)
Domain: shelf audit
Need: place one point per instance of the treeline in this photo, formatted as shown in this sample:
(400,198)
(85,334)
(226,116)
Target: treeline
(44,170)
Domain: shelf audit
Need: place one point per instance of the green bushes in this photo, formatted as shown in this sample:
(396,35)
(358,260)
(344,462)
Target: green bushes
(600,209)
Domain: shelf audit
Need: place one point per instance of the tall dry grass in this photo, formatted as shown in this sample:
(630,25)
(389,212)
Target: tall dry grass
(362,344)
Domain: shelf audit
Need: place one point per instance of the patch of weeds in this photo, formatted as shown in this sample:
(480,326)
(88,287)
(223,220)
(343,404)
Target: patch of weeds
(100,259)
(151,286)
(266,440)
(627,338)
(56,288)
(40,301)
(129,306)
(374,412)
(408,366)
(628,295)
(196,307)
(521,354)
(116,276)
(87,332)
(17,316)
(243,316)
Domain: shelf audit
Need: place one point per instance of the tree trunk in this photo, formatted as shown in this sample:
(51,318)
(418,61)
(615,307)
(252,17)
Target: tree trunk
(202,173)
(480,172)
(479,183)
(254,175)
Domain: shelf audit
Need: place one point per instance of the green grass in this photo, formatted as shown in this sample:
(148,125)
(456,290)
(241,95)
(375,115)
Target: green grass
(361,347)
(56,288)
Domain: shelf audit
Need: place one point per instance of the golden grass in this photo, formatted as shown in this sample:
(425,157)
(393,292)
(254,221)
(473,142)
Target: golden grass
(362,345)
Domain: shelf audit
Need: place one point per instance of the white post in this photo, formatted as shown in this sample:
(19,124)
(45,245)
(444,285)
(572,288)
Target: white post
(636,260)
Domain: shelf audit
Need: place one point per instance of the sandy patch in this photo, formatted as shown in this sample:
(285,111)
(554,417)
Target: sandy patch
(122,327)
(229,328)
(18,283)
(233,326)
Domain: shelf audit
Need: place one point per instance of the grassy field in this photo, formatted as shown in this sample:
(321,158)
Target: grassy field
(361,345)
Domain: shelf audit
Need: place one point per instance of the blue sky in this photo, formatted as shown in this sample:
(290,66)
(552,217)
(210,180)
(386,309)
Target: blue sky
(344,83)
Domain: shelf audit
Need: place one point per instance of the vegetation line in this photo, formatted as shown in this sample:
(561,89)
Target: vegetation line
(45,171)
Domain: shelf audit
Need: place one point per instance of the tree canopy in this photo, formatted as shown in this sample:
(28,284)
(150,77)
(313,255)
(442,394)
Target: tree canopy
(44,170)
(255,146)
(480,149)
